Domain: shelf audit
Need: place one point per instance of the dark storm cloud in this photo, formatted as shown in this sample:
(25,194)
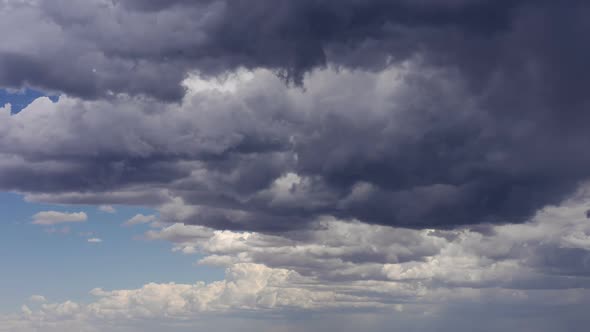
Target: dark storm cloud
(485,124)
(146,47)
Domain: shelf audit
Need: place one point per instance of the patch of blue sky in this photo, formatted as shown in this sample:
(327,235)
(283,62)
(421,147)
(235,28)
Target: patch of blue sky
(19,99)
(62,266)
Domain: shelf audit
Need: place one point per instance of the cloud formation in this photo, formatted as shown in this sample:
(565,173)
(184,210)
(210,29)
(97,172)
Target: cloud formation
(406,146)
(400,129)
(506,274)
(415,157)
(147,47)
(548,252)
(48,218)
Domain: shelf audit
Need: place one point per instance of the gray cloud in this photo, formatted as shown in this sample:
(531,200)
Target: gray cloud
(147,47)
(406,146)
(548,252)
(425,114)
(344,154)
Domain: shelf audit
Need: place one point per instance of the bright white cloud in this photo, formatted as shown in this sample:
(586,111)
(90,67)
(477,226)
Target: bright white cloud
(227,84)
(510,256)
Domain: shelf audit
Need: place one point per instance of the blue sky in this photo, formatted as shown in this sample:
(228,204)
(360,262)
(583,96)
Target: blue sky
(63,266)
(19,99)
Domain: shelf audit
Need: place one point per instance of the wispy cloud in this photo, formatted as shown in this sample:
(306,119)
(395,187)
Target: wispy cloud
(47,218)
(38,299)
(107,209)
(139,219)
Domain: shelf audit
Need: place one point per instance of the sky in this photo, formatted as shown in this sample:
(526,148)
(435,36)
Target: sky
(282,165)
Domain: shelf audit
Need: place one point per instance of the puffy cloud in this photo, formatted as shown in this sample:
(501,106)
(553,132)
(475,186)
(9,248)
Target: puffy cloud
(344,266)
(246,287)
(417,161)
(406,146)
(548,252)
(119,49)
(391,125)
(47,218)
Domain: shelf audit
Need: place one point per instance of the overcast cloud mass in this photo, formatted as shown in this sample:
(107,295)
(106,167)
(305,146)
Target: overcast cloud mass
(359,164)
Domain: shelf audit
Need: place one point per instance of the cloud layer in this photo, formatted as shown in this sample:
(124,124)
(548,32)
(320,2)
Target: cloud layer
(533,269)
(147,47)
(421,114)
(406,146)
(424,158)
